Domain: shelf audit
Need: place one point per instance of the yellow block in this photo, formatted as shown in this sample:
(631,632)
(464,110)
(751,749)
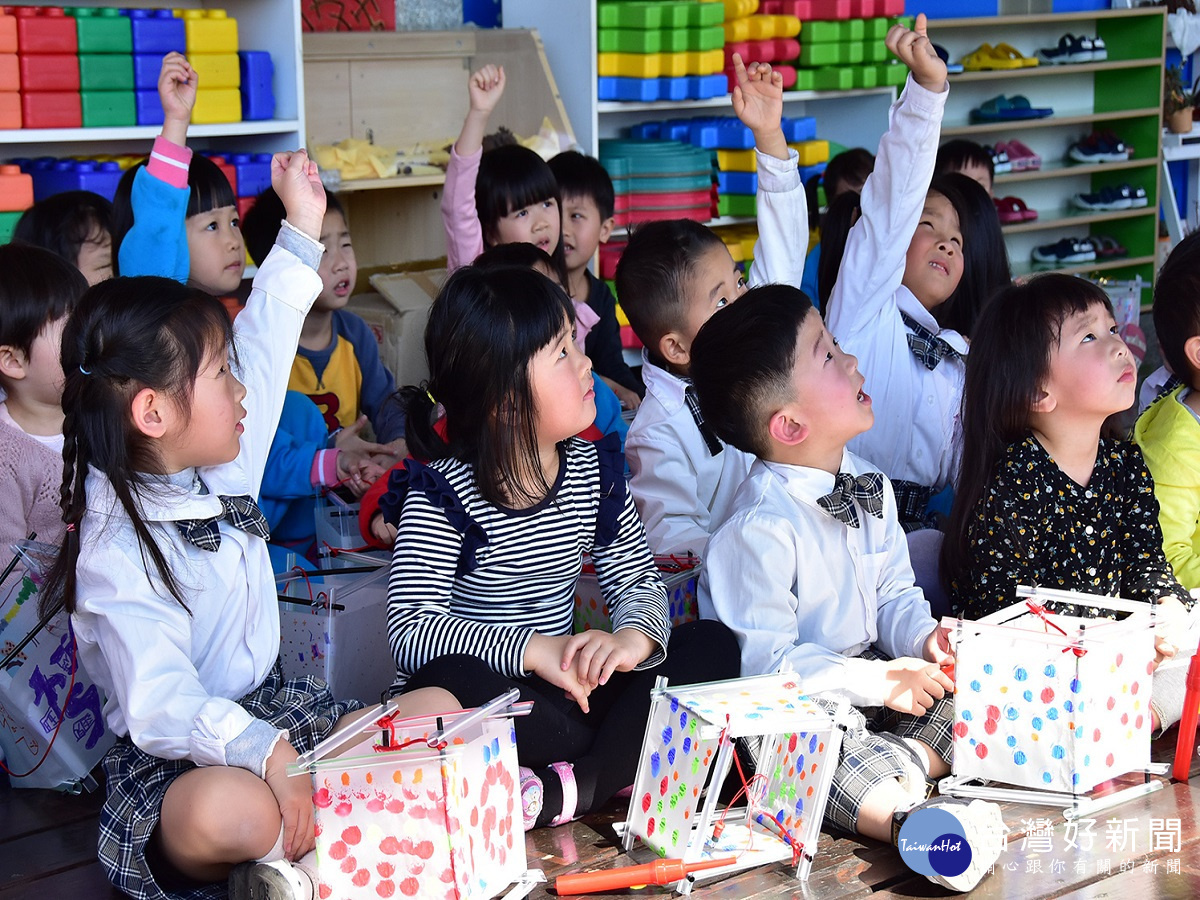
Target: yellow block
(812,152)
(786,26)
(217,106)
(622,319)
(761,28)
(217,70)
(739,9)
(737,161)
(209,31)
(660,65)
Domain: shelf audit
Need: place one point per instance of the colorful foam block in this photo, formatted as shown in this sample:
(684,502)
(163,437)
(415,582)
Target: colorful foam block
(157,31)
(647,90)
(49,72)
(677,40)
(243,206)
(45,29)
(773,50)
(209,31)
(760,28)
(16,189)
(146,67)
(108,109)
(258,76)
(53,176)
(148,107)
(218,105)
(812,152)
(217,70)
(807,172)
(105,72)
(8,32)
(228,170)
(8,224)
(788,73)
(10,109)
(253,172)
(51,109)
(736,205)
(10,72)
(656,15)
(737,183)
(659,65)
(101,30)
(739,9)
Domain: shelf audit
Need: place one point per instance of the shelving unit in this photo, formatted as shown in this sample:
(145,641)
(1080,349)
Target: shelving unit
(1122,94)
(271,25)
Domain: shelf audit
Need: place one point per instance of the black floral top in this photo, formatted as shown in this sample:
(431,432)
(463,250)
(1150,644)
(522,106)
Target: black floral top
(1035,525)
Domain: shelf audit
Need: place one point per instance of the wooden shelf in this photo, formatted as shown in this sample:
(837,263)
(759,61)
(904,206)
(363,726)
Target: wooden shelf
(718,222)
(143,132)
(1074,118)
(1025,269)
(1059,169)
(996,22)
(1072,69)
(400,182)
(615,106)
(1079,217)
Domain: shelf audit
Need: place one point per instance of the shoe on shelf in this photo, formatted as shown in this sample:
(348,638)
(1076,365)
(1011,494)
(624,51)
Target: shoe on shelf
(1000,161)
(1068,250)
(944,56)
(1013,210)
(1070,49)
(1002,56)
(1099,49)
(1107,247)
(983,829)
(1111,198)
(1099,147)
(1022,158)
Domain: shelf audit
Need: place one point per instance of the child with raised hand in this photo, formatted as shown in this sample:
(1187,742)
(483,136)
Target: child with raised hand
(1168,432)
(1043,498)
(166,575)
(902,260)
(491,535)
(75,225)
(38,290)
(672,276)
(810,568)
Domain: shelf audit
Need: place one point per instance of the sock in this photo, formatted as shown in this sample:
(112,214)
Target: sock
(1167,690)
(276,852)
(919,749)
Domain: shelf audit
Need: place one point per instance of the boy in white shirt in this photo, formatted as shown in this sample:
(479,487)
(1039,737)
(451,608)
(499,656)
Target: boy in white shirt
(810,569)
(671,278)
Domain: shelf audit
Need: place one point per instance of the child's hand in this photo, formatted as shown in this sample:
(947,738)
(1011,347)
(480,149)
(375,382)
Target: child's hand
(595,655)
(543,657)
(396,450)
(936,648)
(758,102)
(915,685)
(485,88)
(295,179)
(294,796)
(382,531)
(915,50)
(177,82)
(629,399)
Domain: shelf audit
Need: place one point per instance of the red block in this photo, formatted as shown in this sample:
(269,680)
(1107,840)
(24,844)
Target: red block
(10,72)
(865,9)
(10,109)
(890,8)
(788,73)
(776,50)
(51,109)
(50,72)
(610,254)
(813,10)
(8,32)
(45,29)
(243,206)
(230,171)
(16,189)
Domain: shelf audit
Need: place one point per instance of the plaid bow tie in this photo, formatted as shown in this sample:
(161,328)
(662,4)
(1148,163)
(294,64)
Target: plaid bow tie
(927,346)
(711,441)
(866,489)
(240,510)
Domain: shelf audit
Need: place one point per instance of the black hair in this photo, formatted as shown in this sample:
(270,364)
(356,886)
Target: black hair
(742,362)
(531,256)
(208,188)
(955,155)
(1177,306)
(512,177)
(37,287)
(1006,369)
(839,219)
(579,175)
(261,225)
(484,328)
(64,222)
(846,171)
(126,334)
(985,255)
(654,275)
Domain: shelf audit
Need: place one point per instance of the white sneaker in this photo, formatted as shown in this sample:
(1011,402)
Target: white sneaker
(984,830)
(279,880)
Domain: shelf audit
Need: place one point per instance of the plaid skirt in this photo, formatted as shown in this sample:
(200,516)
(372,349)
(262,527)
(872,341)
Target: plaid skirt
(137,781)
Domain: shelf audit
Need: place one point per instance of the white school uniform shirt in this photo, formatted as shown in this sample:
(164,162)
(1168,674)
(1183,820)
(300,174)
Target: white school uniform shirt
(797,586)
(172,679)
(916,433)
(680,488)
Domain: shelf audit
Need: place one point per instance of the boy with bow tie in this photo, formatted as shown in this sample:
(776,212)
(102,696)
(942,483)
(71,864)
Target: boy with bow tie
(810,567)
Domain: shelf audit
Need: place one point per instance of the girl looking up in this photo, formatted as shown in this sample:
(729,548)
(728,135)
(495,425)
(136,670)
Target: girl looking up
(1043,498)
(166,575)
(491,538)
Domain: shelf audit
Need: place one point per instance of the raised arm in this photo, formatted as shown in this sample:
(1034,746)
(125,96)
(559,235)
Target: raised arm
(464,234)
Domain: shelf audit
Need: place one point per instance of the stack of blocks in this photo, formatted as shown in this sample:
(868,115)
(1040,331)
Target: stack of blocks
(53,176)
(156,32)
(655,180)
(757,36)
(212,46)
(48,66)
(651,51)
(105,41)
(10,73)
(16,195)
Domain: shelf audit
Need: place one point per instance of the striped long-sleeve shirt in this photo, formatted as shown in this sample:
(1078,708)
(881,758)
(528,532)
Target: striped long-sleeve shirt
(471,577)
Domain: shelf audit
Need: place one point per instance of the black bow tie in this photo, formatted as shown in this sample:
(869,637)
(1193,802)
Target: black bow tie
(927,346)
(866,489)
(240,510)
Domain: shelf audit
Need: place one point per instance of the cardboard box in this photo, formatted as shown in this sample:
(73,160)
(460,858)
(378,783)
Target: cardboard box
(397,315)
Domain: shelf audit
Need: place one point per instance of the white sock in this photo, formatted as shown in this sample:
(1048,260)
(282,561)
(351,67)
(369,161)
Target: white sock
(1167,690)
(919,749)
(276,852)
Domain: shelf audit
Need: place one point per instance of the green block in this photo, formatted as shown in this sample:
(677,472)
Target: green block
(658,15)
(805,80)
(909,22)
(105,72)
(875,29)
(855,29)
(108,109)
(736,205)
(892,75)
(675,40)
(8,224)
(865,77)
(833,79)
(102,30)
(708,37)
(814,55)
(852,54)
(875,53)
(822,32)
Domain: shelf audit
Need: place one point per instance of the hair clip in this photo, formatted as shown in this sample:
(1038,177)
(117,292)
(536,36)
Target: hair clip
(84,371)
(430,396)
(71,527)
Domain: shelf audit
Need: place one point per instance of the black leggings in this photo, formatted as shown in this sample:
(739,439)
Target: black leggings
(603,745)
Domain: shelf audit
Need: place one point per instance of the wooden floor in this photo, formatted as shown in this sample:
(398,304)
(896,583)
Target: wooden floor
(47,850)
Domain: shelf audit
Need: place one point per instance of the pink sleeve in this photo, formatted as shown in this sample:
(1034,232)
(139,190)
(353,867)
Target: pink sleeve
(324,468)
(464,234)
(169,162)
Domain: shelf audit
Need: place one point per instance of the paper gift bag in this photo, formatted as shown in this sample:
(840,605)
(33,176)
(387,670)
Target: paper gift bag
(679,574)
(1050,701)
(52,727)
(334,626)
(427,807)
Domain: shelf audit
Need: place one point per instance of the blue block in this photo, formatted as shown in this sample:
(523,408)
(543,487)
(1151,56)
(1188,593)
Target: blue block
(954,9)
(156,31)
(149,107)
(737,183)
(807,172)
(146,67)
(253,172)
(258,94)
(797,130)
(53,176)
(647,90)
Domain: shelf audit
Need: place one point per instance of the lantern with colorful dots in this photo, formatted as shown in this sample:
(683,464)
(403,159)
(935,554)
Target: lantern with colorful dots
(425,807)
(689,743)
(1051,702)
(678,573)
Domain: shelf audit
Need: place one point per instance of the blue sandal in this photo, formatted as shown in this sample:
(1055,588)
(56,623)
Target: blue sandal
(1004,109)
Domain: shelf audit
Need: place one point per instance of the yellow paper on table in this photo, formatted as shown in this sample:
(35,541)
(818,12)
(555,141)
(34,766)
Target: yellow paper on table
(355,158)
